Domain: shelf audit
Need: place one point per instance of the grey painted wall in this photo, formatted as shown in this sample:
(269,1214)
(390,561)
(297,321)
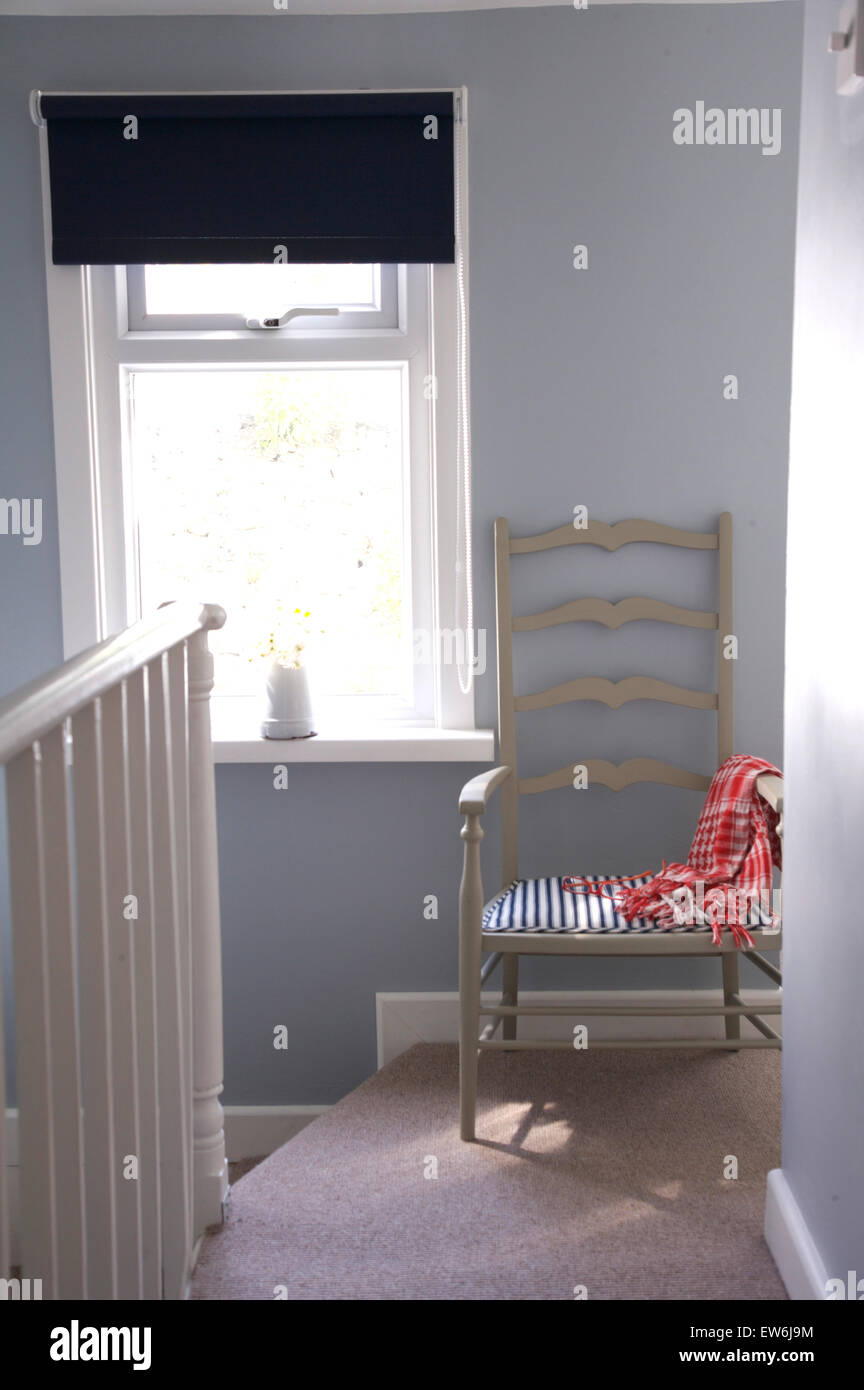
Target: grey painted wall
(823,1060)
(601,387)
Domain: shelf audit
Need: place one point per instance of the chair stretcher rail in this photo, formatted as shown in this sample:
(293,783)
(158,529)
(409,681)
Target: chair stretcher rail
(680,1044)
(630,1010)
(765,966)
(490,965)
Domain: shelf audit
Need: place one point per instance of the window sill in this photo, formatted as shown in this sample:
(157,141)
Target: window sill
(236,740)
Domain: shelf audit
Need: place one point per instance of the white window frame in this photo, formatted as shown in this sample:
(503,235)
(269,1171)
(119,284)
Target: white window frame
(86,310)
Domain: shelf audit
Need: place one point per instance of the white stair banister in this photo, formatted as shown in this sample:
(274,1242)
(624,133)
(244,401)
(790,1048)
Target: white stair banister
(110,801)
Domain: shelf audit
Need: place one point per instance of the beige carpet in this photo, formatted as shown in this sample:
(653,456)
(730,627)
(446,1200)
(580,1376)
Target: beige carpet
(602,1170)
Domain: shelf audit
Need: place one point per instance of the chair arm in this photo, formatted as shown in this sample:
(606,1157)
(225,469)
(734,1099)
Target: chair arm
(476,793)
(771,789)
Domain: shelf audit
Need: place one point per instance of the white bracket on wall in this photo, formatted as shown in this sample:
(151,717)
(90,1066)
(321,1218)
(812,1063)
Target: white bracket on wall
(848,43)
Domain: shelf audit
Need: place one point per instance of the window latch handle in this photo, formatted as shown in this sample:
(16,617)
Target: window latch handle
(289,314)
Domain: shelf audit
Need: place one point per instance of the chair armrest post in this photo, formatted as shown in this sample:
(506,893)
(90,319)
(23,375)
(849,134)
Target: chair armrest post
(471,887)
(470,942)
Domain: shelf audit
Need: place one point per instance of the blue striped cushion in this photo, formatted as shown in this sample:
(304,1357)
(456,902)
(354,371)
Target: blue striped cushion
(542,905)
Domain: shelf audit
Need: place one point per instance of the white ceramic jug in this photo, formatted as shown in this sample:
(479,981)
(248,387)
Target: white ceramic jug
(289,708)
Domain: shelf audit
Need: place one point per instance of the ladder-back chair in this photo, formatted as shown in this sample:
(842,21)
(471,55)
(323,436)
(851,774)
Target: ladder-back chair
(504,927)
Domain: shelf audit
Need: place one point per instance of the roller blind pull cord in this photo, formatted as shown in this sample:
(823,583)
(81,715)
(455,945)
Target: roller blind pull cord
(464,577)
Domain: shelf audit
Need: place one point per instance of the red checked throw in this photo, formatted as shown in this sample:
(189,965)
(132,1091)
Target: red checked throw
(732,854)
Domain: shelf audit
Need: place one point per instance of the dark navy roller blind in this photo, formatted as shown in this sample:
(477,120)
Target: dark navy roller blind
(224,179)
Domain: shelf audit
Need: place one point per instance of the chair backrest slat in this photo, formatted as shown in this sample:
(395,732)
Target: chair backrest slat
(612,537)
(616,693)
(615,615)
(617,776)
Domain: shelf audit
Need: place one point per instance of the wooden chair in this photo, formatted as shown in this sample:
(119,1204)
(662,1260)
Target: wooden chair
(610,936)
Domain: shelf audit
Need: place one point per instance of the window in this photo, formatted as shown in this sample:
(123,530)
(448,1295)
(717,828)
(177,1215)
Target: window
(311,465)
(269,435)
(277,470)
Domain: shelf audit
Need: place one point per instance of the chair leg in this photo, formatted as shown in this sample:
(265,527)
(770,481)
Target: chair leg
(469,1022)
(730,988)
(509,993)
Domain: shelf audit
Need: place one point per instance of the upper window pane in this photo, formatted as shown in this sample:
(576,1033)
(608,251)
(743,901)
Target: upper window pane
(252,289)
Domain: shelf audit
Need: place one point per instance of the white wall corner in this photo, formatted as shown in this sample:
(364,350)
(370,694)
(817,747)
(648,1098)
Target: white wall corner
(790,1242)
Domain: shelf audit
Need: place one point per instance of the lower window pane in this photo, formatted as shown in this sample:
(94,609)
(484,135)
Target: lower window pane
(269,492)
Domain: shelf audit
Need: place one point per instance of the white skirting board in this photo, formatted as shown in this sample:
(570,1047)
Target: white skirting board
(250,1130)
(253,1130)
(790,1242)
(406,1019)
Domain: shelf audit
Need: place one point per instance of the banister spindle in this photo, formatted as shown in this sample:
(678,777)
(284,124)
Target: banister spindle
(143,937)
(65,1016)
(122,910)
(38,1195)
(97,1043)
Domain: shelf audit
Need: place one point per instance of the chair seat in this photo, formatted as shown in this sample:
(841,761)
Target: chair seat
(543,905)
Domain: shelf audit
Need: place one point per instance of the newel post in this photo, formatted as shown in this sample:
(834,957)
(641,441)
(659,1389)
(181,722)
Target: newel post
(209,1164)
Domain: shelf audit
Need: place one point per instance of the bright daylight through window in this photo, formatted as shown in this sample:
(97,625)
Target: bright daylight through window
(285,492)
(280,487)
